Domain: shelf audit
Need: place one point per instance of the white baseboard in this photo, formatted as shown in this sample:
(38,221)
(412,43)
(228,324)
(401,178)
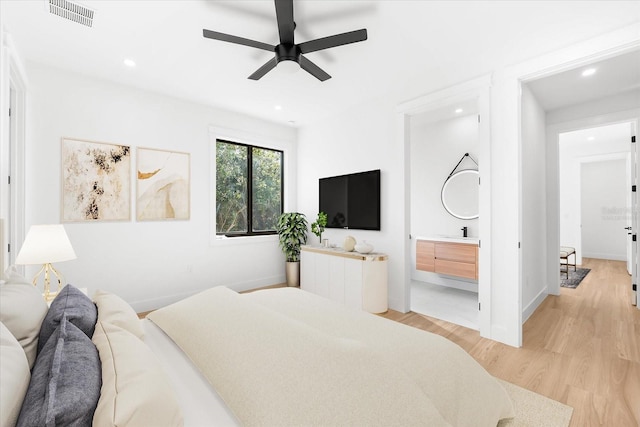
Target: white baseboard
(534,304)
(600,255)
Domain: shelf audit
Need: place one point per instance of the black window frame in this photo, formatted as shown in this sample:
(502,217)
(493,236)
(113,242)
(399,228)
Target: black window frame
(250,148)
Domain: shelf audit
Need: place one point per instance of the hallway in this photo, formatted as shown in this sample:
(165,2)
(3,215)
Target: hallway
(581,348)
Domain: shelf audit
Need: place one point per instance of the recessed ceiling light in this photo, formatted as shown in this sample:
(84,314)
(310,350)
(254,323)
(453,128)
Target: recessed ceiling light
(591,138)
(129,63)
(278,107)
(459,110)
(588,72)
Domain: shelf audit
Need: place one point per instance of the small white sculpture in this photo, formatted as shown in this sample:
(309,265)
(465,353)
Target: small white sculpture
(349,243)
(364,247)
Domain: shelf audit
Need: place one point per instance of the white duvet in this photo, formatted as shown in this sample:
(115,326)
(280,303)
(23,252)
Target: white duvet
(285,357)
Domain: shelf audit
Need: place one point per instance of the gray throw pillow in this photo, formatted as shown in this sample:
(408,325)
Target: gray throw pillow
(65,381)
(78,308)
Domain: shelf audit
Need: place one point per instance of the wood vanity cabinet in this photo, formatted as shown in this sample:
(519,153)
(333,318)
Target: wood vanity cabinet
(450,258)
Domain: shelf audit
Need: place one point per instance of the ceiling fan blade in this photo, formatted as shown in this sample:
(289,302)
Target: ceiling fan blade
(284,15)
(313,69)
(260,72)
(237,40)
(333,41)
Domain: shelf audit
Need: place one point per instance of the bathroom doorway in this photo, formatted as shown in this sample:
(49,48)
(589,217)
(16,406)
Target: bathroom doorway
(448,136)
(444,145)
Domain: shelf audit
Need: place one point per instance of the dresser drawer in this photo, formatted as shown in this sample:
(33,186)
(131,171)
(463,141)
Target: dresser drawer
(425,255)
(454,268)
(456,252)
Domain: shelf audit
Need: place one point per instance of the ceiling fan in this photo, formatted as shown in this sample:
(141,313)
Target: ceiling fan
(288,50)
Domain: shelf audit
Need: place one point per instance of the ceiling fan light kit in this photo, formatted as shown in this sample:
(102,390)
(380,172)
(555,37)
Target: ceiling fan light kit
(287,50)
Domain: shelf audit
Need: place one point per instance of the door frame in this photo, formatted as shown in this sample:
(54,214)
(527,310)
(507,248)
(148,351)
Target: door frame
(553,178)
(12,146)
(477,90)
(624,156)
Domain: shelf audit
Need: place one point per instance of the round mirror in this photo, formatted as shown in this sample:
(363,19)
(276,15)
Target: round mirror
(460,194)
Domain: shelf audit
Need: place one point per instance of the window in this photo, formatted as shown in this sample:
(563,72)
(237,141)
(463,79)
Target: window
(249,189)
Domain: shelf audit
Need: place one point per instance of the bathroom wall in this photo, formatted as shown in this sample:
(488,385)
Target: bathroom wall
(436,147)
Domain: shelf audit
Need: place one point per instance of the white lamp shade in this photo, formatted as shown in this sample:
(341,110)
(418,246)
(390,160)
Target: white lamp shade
(46,244)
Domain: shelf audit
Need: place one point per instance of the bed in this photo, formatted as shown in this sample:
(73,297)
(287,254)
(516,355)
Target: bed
(279,357)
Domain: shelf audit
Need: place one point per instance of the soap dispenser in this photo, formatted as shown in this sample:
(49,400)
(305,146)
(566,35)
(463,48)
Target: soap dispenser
(464,231)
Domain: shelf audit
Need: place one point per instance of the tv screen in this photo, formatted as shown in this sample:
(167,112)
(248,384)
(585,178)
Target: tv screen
(352,201)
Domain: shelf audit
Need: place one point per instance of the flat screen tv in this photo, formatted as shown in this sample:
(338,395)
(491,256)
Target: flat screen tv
(352,201)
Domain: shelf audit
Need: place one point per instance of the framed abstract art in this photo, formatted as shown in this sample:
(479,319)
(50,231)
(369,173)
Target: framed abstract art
(163,185)
(96,181)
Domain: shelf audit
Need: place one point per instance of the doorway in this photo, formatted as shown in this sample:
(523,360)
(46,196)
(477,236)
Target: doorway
(594,187)
(473,99)
(585,93)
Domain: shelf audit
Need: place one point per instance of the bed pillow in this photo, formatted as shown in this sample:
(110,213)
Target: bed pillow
(76,306)
(22,310)
(65,381)
(14,371)
(113,309)
(135,390)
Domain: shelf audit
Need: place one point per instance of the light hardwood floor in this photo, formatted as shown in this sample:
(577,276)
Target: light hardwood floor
(581,348)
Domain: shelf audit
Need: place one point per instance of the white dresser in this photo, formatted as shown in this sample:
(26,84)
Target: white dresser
(350,278)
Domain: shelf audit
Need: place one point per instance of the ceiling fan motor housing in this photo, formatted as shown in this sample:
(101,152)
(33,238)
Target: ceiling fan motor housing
(288,52)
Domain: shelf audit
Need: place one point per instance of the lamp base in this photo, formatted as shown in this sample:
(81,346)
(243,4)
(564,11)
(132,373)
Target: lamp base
(48,295)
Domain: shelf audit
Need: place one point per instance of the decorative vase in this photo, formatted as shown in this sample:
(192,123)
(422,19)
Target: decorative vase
(349,243)
(292,273)
(364,247)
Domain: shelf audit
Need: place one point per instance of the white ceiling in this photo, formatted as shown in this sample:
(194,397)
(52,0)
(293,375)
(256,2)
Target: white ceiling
(612,76)
(413,46)
(598,135)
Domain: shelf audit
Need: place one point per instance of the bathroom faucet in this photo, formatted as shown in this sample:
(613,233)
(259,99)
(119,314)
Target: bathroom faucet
(464,231)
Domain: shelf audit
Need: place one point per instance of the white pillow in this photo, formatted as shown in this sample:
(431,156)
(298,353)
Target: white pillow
(14,371)
(135,390)
(22,309)
(11,275)
(113,309)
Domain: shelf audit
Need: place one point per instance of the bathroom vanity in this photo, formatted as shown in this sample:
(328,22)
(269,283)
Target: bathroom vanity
(450,256)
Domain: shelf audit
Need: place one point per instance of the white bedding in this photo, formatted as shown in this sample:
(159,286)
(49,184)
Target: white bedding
(287,357)
(200,403)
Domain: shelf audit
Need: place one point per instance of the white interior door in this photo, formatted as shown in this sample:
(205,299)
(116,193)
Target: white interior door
(629,210)
(634,221)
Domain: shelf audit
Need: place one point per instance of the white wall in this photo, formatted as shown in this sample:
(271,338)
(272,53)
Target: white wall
(604,211)
(436,148)
(358,140)
(534,224)
(148,263)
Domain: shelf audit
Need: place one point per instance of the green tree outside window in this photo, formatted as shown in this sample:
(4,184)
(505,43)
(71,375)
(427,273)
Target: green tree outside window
(248,189)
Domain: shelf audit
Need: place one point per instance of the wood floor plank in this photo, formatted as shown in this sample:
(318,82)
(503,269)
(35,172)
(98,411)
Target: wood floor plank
(581,348)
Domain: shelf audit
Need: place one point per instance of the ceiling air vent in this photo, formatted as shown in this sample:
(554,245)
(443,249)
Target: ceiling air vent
(71,11)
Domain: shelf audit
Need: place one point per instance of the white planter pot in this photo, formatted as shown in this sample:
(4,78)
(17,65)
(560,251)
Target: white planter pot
(292,272)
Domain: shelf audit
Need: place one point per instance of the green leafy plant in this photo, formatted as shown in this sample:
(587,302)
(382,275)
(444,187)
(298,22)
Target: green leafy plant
(292,232)
(318,226)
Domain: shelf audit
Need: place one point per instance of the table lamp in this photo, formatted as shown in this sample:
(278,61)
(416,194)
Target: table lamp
(46,244)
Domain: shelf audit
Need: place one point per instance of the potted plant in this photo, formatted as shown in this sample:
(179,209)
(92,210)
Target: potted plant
(292,232)
(318,226)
